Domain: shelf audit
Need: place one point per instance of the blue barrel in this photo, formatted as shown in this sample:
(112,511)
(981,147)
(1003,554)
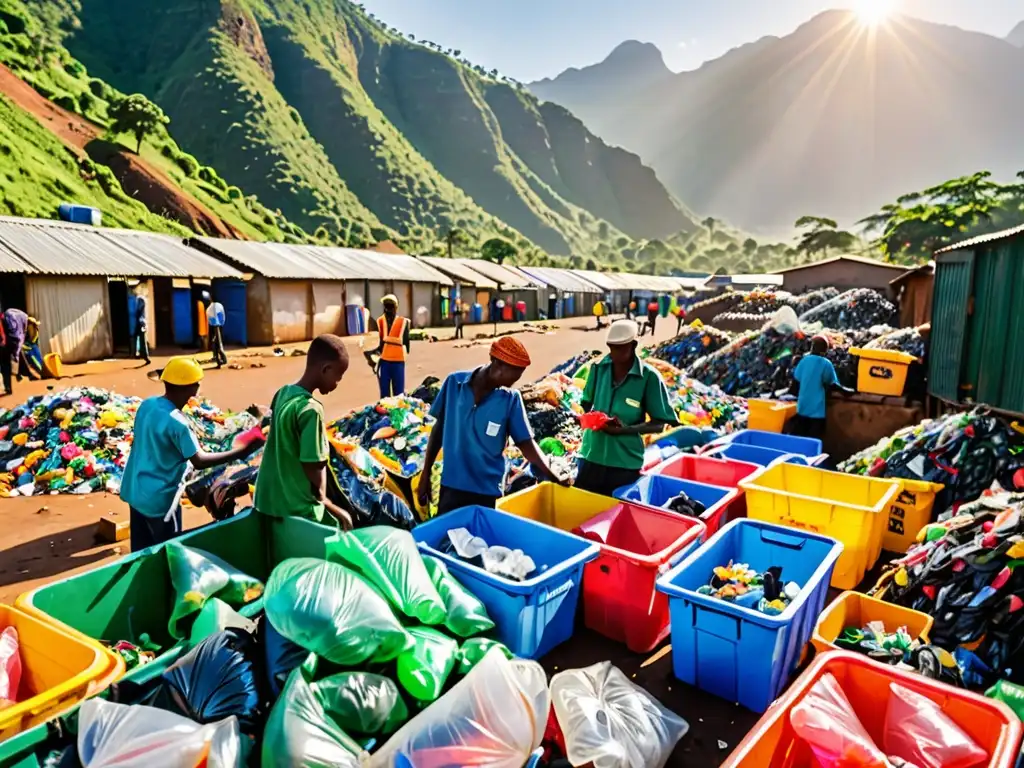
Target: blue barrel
(570,306)
(355,319)
(80,214)
(182,313)
(477,315)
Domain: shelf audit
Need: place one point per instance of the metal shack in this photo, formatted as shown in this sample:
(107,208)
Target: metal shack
(977,324)
(568,294)
(471,288)
(842,272)
(514,288)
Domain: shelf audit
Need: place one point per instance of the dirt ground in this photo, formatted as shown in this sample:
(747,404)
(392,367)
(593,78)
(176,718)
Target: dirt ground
(47,537)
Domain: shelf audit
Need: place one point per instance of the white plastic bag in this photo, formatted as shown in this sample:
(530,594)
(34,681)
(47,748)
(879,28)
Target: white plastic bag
(784,321)
(493,718)
(10,667)
(610,722)
(118,736)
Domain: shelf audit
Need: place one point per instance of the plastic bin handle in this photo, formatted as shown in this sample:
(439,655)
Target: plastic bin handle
(783,539)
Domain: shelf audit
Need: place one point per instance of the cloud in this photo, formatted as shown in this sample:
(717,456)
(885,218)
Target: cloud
(681,44)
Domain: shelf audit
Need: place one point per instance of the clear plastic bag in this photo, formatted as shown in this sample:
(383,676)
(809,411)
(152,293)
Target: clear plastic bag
(918,731)
(362,702)
(466,615)
(610,722)
(10,667)
(301,734)
(119,736)
(423,669)
(493,717)
(330,611)
(388,559)
(216,616)
(196,577)
(825,719)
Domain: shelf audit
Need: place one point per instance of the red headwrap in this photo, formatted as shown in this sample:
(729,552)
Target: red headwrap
(512,352)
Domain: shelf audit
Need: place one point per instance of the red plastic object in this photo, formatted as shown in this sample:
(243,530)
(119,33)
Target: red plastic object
(772,743)
(594,420)
(638,544)
(711,470)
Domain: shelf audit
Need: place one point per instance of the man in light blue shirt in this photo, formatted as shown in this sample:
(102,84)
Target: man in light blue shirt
(215,318)
(813,377)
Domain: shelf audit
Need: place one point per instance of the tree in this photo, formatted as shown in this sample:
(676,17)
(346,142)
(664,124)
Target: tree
(453,237)
(749,246)
(822,235)
(709,224)
(456,53)
(498,249)
(138,116)
(591,265)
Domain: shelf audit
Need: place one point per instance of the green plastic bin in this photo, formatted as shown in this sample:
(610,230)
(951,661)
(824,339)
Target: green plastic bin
(123,600)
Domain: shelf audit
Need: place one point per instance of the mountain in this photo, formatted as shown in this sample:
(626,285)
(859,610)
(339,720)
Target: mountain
(341,126)
(834,119)
(1016,37)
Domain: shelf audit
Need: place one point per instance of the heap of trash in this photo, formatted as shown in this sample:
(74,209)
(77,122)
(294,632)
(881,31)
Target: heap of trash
(911,341)
(394,431)
(695,341)
(805,302)
(859,308)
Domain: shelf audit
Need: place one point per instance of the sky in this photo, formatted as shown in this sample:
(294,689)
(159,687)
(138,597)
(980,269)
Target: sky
(533,39)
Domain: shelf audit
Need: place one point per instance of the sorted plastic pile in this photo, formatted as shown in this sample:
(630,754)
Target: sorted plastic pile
(698,404)
(508,563)
(393,430)
(907,340)
(693,343)
(572,366)
(876,642)
(739,583)
(808,301)
(684,505)
(78,440)
(859,308)
(966,452)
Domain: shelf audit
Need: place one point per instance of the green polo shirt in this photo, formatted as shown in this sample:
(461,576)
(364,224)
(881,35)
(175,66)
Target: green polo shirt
(640,395)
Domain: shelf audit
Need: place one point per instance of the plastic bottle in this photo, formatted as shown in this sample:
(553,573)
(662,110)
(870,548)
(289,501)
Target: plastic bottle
(10,667)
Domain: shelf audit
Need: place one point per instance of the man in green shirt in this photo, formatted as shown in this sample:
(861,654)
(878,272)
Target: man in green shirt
(635,398)
(292,480)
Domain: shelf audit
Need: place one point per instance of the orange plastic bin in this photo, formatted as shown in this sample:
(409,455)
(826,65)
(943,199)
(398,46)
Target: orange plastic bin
(772,743)
(638,544)
(854,609)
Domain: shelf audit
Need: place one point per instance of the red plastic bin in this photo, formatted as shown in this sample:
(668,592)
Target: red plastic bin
(772,743)
(711,470)
(638,544)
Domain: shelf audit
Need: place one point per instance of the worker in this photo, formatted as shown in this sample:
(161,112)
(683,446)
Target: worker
(652,314)
(163,447)
(140,341)
(292,481)
(458,318)
(813,377)
(202,322)
(394,346)
(215,318)
(476,414)
(634,397)
(30,360)
(14,324)
(599,312)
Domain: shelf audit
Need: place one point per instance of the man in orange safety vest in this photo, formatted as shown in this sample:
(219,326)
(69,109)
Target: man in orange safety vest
(394,345)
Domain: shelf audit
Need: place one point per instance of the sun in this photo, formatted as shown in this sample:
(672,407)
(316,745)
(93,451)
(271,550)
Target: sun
(872,12)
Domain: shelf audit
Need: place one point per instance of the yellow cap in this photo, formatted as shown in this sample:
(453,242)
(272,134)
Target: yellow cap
(182,371)
(390,297)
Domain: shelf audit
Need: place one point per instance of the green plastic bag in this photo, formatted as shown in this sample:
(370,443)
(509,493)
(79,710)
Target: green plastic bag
(196,576)
(467,616)
(216,616)
(330,611)
(388,558)
(474,649)
(301,734)
(423,669)
(1011,695)
(362,703)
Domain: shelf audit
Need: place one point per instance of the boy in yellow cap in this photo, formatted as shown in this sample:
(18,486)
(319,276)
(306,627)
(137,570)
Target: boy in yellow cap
(394,345)
(162,449)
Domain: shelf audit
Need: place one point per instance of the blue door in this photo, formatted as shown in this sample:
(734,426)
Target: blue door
(231,293)
(182,310)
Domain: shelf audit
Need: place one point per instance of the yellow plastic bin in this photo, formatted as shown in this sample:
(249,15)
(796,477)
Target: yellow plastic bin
(853,609)
(849,508)
(910,511)
(769,415)
(557,506)
(881,372)
(58,671)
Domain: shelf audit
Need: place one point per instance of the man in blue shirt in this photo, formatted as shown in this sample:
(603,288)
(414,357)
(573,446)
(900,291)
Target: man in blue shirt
(215,318)
(476,413)
(163,446)
(813,377)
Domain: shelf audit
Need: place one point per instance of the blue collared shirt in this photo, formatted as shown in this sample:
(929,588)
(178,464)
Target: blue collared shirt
(475,435)
(816,375)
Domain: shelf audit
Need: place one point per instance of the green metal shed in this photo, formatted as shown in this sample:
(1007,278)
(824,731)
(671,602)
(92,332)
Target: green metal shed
(977,337)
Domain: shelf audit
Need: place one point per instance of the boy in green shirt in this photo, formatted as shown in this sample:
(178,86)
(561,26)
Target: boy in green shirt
(293,474)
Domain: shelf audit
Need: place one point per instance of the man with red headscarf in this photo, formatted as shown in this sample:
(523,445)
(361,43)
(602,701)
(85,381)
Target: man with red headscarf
(477,412)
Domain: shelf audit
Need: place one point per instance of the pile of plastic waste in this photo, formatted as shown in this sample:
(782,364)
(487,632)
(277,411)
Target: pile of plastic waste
(808,301)
(966,452)
(698,404)
(876,642)
(739,583)
(859,308)
(572,366)
(910,341)
(696,341)
(759,302)
(428,390)
(393,430)
(78,440)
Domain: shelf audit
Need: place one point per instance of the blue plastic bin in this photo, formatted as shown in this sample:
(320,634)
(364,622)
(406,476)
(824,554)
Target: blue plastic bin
(657,490)
(763,457)
(740,654)
(531,616)
(804,446)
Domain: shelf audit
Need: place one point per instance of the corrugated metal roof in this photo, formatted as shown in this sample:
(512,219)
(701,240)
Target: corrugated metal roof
(503,276)
(760,279)
(459,271)
(983,240)
(858,259)
(560,279)
(12,262)
(275,259)
(606,281)
(169,255)
(389,266)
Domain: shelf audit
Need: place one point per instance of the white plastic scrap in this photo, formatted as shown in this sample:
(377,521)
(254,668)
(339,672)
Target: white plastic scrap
(501,561)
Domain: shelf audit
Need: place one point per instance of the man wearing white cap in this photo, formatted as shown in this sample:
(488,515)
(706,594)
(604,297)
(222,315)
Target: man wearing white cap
(634,397)
(394,345)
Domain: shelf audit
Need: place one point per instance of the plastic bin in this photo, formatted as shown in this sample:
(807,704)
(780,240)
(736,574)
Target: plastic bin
(736,653)
(132,596)
(850,508)
(638,544)
(711,470)
(656,491)
(762,457)
(769,415)
(910,511)
(854,609)
(803,446)
(555,505)
(881,372)
(58,671)
(531,616)
(772,744)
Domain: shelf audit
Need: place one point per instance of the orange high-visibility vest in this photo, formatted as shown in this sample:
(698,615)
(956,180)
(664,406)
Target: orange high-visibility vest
(394,340)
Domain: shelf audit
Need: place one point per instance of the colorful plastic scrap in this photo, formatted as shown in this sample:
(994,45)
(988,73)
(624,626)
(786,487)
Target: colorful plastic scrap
(695,341)
(741,584)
